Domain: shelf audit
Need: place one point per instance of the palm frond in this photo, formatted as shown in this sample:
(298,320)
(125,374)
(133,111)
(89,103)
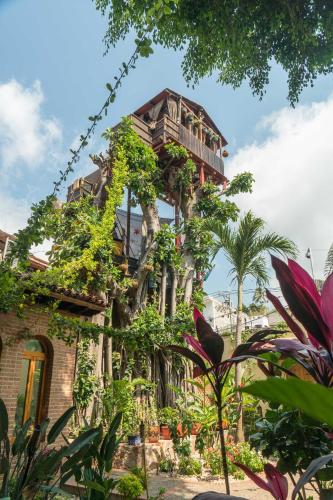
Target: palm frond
(272,242)
(258,270)
(329,262)
(243,246)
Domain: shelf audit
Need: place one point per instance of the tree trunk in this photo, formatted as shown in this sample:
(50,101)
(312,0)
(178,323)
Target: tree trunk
(107,347)
(174,285)
(238,370)
(163,290)
(222,443)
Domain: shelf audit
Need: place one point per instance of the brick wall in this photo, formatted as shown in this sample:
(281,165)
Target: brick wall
(59,369)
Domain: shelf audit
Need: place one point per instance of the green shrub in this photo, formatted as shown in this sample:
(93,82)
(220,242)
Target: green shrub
(189,467)
(140,474)
(166,465)
(130,486)
(241,453)
(245,455)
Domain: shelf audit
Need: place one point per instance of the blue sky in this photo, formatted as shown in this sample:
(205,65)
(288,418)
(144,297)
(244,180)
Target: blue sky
(59,45)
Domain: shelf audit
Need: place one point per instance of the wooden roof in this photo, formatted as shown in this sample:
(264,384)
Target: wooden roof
(192,104)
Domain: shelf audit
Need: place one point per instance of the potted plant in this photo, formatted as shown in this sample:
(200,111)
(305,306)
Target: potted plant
(195,429)
(153,426)
(149,267)
(133,436)
(124,267)
(168,418)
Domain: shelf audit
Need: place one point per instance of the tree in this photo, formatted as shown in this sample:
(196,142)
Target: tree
(244,248)
(238,40)
(329,262)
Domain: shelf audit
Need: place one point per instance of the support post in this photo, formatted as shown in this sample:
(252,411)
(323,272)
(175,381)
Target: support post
(128,222)
(177,223)
(202,175)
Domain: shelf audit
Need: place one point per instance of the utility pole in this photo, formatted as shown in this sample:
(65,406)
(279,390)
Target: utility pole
(308,255)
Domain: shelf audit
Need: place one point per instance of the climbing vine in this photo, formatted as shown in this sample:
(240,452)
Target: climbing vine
(144,175)
(86,382)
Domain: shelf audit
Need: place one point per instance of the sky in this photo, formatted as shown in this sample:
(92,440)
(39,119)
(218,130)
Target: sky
(53,75)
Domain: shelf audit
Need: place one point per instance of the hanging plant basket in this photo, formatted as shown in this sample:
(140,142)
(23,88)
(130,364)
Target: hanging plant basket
(225,153)
(135,284)
(189,117)
(149,268)
(124,267)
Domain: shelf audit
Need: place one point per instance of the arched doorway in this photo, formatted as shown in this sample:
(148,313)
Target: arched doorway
(31,396)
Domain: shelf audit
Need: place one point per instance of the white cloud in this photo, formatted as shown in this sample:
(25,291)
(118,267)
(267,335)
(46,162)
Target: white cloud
(13,213)
(293,168)
(26,136)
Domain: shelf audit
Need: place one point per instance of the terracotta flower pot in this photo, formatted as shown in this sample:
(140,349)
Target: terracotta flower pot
(153,434)
(181,431)
(195,429)
(165,432)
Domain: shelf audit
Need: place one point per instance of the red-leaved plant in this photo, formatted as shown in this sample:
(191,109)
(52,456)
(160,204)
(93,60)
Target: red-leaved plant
(207,355)
(313,346)
(275,482)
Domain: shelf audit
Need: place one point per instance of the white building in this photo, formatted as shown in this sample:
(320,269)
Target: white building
(223,317)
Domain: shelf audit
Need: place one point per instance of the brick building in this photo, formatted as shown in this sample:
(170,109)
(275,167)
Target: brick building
(37,373)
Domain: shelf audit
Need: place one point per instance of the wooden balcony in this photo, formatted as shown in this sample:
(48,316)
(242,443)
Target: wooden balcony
(167,130)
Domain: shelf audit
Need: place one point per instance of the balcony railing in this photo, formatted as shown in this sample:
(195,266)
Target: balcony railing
(166,129)
(200,150)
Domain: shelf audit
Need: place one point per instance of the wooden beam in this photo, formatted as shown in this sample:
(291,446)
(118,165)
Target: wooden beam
(79,302)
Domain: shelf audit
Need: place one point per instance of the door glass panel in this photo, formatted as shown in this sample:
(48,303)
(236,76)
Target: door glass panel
(22,391)
(33,345)
(36,388)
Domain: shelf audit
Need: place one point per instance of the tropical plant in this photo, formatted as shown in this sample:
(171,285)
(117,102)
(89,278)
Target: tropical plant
(209,348)
(244,248)
(329,262)
(313,349)
(39,468)
(292,438)
(92,466)
(275,482)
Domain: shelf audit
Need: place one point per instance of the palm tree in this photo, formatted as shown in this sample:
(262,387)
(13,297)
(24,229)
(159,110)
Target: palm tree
(329,262)
(244,247)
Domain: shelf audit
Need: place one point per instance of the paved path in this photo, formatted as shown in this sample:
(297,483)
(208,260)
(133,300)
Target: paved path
(187,487)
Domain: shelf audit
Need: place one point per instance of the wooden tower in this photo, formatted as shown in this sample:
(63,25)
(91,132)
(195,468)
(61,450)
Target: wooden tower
(169,117)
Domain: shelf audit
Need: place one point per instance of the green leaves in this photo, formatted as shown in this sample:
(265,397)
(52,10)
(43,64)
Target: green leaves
(314,400)
(3,421)
(237,42)
(144,46)
(81,441)
(59,425)
(312,470)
